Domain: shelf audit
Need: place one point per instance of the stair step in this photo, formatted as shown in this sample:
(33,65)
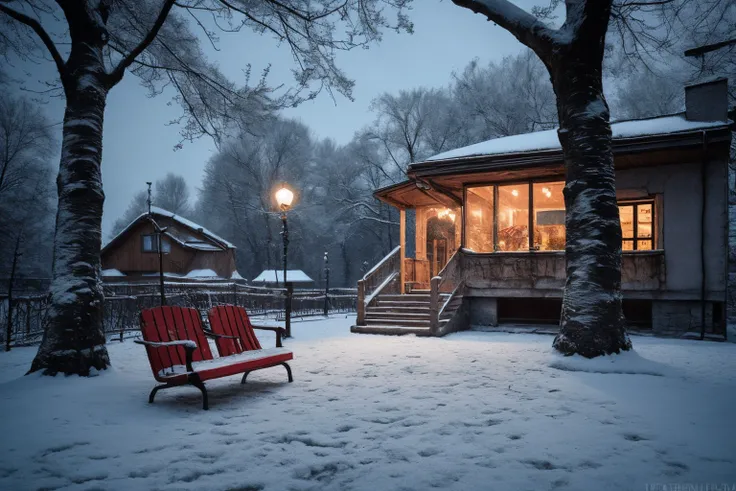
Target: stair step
(411,298)
(390,330)
(391,303)
(403,309)
(398,322)
(394,315)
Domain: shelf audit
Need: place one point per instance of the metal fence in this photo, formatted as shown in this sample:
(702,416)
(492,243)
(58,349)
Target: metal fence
(124,301)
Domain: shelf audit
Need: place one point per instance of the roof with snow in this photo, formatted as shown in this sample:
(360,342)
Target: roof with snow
(292,275)
(441,178)
(213,243)
(548,140)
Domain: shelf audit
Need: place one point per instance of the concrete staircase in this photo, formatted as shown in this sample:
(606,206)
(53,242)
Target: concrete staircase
(401,314)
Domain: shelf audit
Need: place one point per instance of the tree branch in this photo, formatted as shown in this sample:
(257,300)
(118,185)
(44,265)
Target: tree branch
(39,30)
(529,30)
(117,74)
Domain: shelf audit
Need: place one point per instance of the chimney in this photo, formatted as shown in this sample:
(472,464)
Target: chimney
(707,101)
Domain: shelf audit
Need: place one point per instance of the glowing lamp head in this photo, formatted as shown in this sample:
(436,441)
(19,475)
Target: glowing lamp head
(284,198)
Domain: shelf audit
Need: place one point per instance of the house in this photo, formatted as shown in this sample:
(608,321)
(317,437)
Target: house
(190,251)
(489,221)
(272,277)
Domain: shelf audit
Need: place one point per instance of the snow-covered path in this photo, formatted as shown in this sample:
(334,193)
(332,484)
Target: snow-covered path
(470,411)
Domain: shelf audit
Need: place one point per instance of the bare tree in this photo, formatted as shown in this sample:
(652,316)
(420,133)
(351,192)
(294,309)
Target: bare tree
(411,126)
(26,146)
(26,216)
(172,194)
(506,98)
(645,94)
(240,181)
(592,321)
(25,143)
(154,41)
(137,206)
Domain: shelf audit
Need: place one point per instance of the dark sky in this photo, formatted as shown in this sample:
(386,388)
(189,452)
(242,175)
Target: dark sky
(139,143)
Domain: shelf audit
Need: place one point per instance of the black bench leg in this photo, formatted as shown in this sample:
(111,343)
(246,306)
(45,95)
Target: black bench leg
(288,370)
(156,389)
(195,381)
(245,376)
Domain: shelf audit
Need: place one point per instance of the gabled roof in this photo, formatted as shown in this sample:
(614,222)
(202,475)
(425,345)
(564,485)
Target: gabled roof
(215,242)
(271,276)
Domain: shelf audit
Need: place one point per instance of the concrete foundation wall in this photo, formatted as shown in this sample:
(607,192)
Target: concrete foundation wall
(672,318)
(483,311)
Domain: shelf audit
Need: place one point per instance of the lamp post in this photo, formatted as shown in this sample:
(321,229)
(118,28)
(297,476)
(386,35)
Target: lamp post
(327,283)
(284,199)
(159,248)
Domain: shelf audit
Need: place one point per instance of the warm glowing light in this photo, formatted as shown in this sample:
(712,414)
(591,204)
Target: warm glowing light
(446,213)
(514,192)
(478,213)
(284,198)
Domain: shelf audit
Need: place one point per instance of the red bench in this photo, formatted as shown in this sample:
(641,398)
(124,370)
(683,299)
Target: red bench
(235,334)
(179,353)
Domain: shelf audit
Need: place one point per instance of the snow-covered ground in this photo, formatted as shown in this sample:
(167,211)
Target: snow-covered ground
(470,411)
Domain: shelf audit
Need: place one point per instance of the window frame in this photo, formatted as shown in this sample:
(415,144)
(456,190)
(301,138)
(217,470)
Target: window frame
(634,203)
(515,182)
(154,243)
(649,200)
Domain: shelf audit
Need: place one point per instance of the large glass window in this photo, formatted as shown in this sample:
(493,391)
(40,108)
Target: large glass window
(549,216)
(513,217)
(479,219)
(508,205)
(637,226)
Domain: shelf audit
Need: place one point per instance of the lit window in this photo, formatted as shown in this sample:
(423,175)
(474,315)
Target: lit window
(513,217)
(479,219)
(508,205)
(637,226)
(549,216)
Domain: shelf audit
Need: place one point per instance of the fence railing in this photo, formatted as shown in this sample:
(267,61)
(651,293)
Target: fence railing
(123,303)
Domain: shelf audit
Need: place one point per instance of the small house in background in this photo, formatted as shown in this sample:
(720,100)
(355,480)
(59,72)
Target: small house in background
(191,251)
(272,277)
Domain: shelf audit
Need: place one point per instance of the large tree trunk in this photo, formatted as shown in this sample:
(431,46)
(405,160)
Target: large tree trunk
(592,321)
(74,341)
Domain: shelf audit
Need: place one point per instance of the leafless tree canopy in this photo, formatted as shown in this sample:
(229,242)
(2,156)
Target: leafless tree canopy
(172,194)
(159,42)
(26,186)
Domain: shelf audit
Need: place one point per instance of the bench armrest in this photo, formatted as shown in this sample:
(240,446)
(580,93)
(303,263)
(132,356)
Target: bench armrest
(187,344)
(280,331)
(215,335)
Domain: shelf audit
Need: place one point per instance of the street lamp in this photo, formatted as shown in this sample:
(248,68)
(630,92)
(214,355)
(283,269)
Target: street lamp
(284,198)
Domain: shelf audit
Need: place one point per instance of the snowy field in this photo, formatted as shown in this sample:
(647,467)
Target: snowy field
(470,411)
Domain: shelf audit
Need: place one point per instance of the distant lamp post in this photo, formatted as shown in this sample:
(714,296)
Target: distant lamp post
(159,248)
(284,199)
(327,283)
